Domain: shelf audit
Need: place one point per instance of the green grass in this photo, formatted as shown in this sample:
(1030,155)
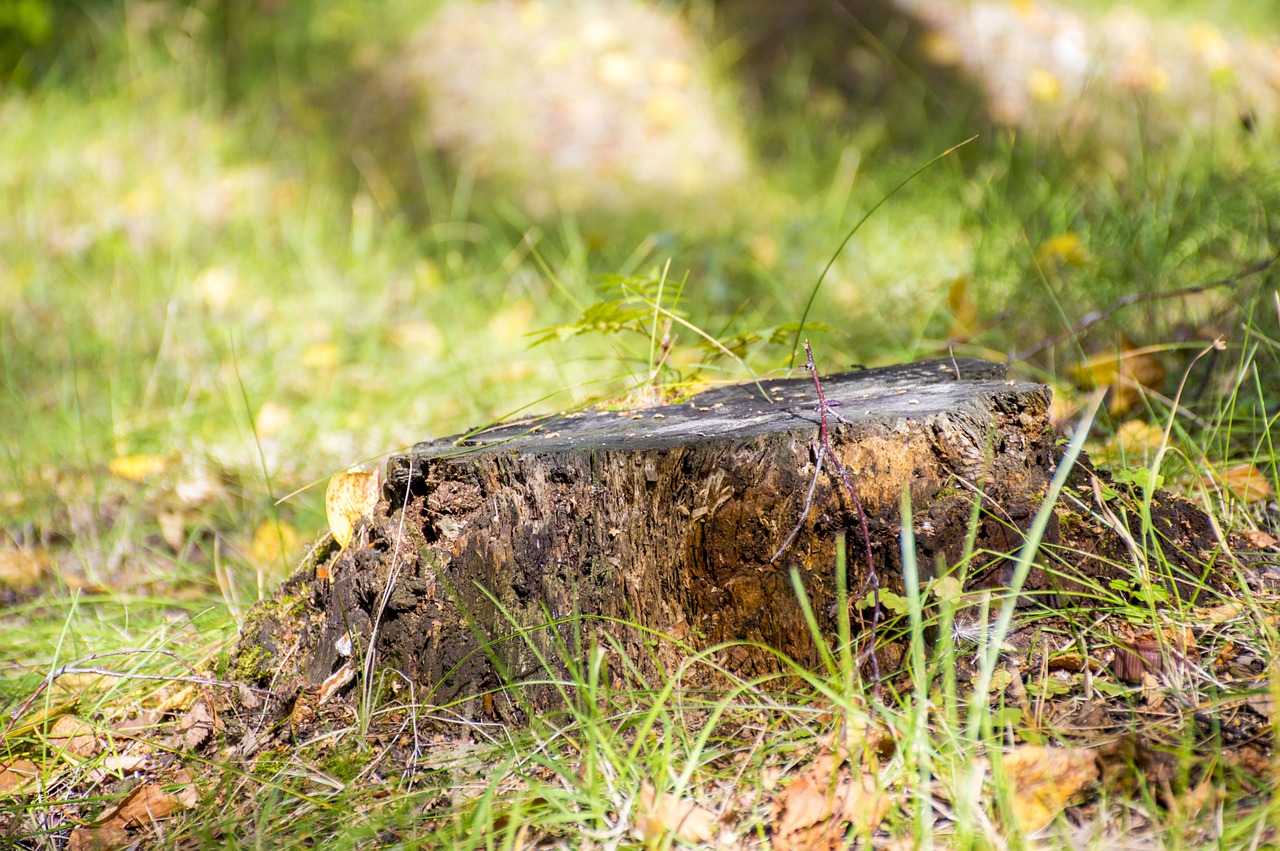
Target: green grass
(198,263)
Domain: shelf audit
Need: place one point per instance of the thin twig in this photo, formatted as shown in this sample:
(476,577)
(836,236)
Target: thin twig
(1139,298)
(808,504)
(78,667)
(825,450)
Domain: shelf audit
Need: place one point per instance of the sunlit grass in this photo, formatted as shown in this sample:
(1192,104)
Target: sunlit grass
(207,276)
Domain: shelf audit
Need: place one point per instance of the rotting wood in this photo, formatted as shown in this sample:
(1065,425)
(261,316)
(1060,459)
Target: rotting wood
(621,526)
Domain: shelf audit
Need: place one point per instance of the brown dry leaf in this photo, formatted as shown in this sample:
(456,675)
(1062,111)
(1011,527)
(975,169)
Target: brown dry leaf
(349,497)
(137,468)
(657,815)
(1126,373)
(1246,481)
(1196,799)
(1045,781)
(74,736)
(1260,539)
(196,726)
(1221,613)
(963,309)
(143,806)
(818,808)
(18,776)
(22,568)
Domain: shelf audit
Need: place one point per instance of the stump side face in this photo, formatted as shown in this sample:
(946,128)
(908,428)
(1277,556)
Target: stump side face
(620,529)
(677,535)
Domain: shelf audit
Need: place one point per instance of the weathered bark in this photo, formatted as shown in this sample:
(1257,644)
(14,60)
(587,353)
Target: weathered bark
(667,519)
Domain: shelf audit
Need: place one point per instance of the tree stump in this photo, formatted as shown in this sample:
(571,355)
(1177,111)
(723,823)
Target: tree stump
(495,555)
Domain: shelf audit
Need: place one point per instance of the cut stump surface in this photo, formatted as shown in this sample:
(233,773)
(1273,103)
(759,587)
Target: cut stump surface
(654,532)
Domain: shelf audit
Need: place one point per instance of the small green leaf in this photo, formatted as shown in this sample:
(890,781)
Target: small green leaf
(1140,476)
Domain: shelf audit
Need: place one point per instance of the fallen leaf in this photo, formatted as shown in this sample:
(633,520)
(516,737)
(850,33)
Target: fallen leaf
(196,726)
(1136,440)
(349,497)
(657,815)
(1260,539)
(18,776)
(137,468)
(1221,613)
(322,357)
(1126,373)
(963,309)
(74,736)
(1245,481)
(817,809)
(271,419)
(22,568)
(1065,249)
(273,543)
(142,807)
(1045,780)
(1195,799)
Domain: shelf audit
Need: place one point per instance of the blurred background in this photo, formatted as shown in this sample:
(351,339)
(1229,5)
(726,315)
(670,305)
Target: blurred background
(247,243)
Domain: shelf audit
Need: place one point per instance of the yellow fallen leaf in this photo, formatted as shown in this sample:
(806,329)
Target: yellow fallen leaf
(657,815)
(137,468)
(1126,373)
(1135,440)
(322,357)
(1065,249)
(350,496)
(1043,86)
(271,419)
(22,568)
(1045,780)
(963,309)
(273,542)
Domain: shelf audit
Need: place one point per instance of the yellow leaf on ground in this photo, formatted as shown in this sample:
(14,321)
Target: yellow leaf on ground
(657,815)
(1065,249)
(350,496)
(1043,86)
(1045,780)
(137,468)
(1126,373)
(322,357)
(273,543)
(22,568)
(1245,481)
(963,309)
(271,419)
